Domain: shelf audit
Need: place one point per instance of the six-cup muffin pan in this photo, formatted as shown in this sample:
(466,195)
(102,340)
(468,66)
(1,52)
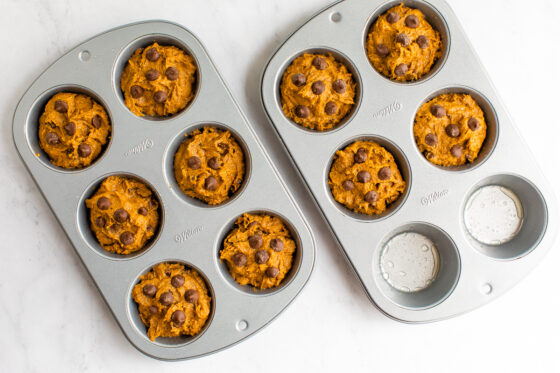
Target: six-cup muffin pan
(471,273)
(190,231)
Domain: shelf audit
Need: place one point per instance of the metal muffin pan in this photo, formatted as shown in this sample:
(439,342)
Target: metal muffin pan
(190,231)
(470,274)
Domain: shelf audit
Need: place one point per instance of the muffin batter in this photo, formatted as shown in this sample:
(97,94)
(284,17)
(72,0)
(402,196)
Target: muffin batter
(402,45)
(209,165)
(317,91)
(259,251)
(73,130)
(450,129)
(172,301)
(365,178)
(123,214)
(158,80)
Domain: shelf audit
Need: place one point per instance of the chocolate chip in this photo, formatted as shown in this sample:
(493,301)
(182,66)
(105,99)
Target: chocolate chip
(429,155)
(211,183)
(100,222)
(457,151)
(318,87)
(172,73)
(277,244)
(214,163)
(453,130)
(319,63)
(152,54)
(371,197)
(252,224)
(224,147)
(261,256)
(178,317)
(360,156)
(136,91)
(412,21)
(103,203)
(339,86)
(239,259)
(401,69)
(255,242)
(84,150)
(384,173)
(149,290)
(160,97)
(438,111)
(143,211)
(473,124)
(127,238)
(166,298)
(115,228)
(423,42)
(393,17)
(299,80)
(348,185)
(272,272)
(120,215)
(331,108)
(70,128)
(302,111)
(191,296)
(96,121)
(52,138)
(153,310)
(177,281)
(152,74)
(61,106)
(403,39)
(363,176)
(194,162)
(382,50)
(430,139)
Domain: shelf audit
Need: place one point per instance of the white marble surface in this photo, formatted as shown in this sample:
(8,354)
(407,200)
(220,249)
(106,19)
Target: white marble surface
(53,319)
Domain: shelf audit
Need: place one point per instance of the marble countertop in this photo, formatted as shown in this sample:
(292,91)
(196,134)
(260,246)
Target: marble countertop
(53,318)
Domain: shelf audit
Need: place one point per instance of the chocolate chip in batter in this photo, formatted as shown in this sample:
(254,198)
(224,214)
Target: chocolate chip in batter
(178,317)
(100,221)
(457,151)
(438,111)
(360,156)
(331,108)
(191,296)
(384,173)
(143,211)
(224,147)
(160,97)
(239,259)
(430,139)
(61,106)
(452,130)
(423,42)
(371,197)
(403,39)
(401,69)
(214,163)
(412,21)
(382,50)
(84,150)
(302,111)
(172,73)
(277,244)
(166,298)
(52,138)
(153,310)
(103,203)
(152,74)
(318,87)
(177,281)
(96,121)
(255,242)
(70,128)
(299,80)
(194,162)
(120,215)
(261,256)
(473,124)
(152,54)
(136,91)
(393,17)
(348,185)
(272,272)
(319,63)
(339,86)
(363,176)
(211,183)
(127,238)
(149,290)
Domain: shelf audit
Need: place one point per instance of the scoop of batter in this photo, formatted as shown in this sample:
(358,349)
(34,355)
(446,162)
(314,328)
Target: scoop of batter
(73,130)
(317,91)
(258,251)
(209,165)
(450,129)
(123,214)
(172,301)
(402,45)
(158,80)
(365,178)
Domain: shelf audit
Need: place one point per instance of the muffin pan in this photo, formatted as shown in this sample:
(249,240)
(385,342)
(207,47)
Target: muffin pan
(190,231)
(469,273)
